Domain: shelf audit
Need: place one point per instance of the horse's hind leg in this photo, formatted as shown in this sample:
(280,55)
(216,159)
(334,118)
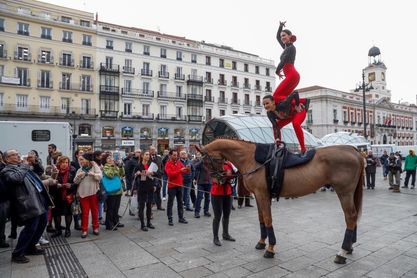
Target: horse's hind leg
(351,217)
(261,243)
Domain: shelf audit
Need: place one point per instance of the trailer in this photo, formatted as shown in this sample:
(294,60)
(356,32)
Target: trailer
(25,136)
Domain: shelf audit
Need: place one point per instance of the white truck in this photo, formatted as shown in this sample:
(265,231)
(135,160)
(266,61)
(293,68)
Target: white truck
(26,136)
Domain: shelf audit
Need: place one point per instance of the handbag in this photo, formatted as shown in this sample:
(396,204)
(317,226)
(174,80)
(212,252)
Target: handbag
(76,207)
(111,185)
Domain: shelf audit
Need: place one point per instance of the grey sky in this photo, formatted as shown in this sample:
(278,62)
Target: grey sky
(333,37)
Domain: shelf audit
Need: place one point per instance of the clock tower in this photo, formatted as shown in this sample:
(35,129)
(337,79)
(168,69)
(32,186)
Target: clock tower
(375,74)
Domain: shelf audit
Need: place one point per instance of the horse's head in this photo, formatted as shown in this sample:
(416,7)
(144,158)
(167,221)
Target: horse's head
(213,160)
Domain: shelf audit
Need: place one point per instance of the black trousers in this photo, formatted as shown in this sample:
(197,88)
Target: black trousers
(4,214)
(409,173)
(193,195)
(370,180)
(157,195)
(222,206)
(112,213)
(145,199)
(173,193)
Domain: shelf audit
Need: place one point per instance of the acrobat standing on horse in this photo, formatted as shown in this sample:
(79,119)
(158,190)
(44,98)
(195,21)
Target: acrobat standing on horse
(285,106)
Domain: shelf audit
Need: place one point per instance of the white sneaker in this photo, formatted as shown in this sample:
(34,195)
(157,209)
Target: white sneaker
(164,199)
(43,241)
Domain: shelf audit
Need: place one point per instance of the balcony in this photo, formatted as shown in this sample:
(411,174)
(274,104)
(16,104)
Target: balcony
(46,37)
(108,114)
(222,100)
(109,46)
(268,89)
(335,121)
(136,93)
(208,81)
(128,50)
(235,102)
(196,79)
(48,60)
(37,111)
(112,68)
(195,97)
(128,70)
(195,118)
(168,117)
(234,84)
(87,43)
(163,74)
(170,96)
(146,72)
(109,90)
(208,99)
(45,85)
(180,77)
(247,103)
(246,86)
(3,54)
(139,116)
(23,32)
(222,82)
(86,65)
(79,87)
(258,87)
(66,62)
(69,40)
(27,57)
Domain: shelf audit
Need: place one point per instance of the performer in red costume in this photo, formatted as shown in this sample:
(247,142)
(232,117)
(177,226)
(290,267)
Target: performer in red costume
(285,106)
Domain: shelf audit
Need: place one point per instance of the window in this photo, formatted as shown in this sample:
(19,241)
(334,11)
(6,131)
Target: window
(268,86)
(67,36)
(208,77)
(246,67)
(1,25)
(234,65)
(65,81)
(128,66)
(127,109)
(163,69)
(267,71)
(179,56)
(163,111)
(87,40)
(65,105)
(128,46)
(234,98)
(247,102)
(86,62)
(208,94)
(39,135)
(23,54)
(146,109)
(23,29)
(145,87)
(222,112)
(194,58)
(163,89)
(222,96)
(84,129)
(46,33)
(258,100)
(86,83)
(45,57)
(67,60)
(1,70)
(257,69)
(178,73)
(3,52)
(310,116)
(23,75)
(163,53)
(178,112)
(234,81)
(66,19)
(208,114)
(128,86)
(85,23)
(146,50)
(109,44)
(178,91)
(221,63)
(234,112)
(109,62)
(208,60)
(21,102)
(45,79)
(85,106)
(44,103)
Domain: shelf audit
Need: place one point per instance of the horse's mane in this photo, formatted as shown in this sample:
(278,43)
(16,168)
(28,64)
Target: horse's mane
(233,139)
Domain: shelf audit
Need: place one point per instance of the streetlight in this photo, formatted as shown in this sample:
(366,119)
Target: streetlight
(73,116)
(365,87)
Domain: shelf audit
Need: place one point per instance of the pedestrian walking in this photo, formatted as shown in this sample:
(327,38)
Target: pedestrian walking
(410,166)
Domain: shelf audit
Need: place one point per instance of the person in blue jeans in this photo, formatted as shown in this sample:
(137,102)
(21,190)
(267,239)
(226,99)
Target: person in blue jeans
(187,180)
(203,180)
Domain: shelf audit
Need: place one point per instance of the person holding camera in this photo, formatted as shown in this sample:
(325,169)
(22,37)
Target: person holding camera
(394,171)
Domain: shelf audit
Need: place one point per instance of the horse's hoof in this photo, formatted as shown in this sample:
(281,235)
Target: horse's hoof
(350,251)
(260,246)
(340,260)
(269,254)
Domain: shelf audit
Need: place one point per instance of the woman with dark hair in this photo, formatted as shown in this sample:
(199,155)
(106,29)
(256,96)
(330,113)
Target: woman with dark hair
(111,170)
(63,196)
(145,186)
(88,178)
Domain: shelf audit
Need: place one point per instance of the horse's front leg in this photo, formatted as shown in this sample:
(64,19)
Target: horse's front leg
(261,243)
(264,206)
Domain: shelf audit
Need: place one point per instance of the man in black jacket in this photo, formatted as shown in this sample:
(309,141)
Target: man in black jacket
(29,202)
(155,158)
(4,207)
(130,166)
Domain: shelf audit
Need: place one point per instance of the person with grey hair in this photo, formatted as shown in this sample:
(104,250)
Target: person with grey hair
(29,201)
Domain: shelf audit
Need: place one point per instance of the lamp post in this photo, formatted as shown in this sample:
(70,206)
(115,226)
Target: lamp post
(73,116)
(365,87)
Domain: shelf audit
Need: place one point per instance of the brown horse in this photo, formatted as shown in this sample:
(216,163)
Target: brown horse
(340,166)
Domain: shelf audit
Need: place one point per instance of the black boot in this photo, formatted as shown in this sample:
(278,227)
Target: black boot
(216,241)
(226,235)
(149,225)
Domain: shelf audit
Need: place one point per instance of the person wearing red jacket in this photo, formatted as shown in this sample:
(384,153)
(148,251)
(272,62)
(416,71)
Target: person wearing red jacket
(174,170)
(221,200)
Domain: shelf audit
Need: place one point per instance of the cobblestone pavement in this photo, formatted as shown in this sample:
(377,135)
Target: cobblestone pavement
(309,233)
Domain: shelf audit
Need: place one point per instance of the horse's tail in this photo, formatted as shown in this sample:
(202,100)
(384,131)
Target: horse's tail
(358,195)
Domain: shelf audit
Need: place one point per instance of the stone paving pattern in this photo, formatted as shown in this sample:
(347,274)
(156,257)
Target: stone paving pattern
(309,232)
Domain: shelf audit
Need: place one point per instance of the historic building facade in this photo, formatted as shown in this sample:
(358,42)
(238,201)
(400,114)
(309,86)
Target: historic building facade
(120,87)
(387,123)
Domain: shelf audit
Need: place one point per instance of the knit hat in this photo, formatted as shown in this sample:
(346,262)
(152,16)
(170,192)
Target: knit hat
(88,156)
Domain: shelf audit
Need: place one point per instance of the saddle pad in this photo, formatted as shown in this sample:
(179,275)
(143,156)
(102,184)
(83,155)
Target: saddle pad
(264,151)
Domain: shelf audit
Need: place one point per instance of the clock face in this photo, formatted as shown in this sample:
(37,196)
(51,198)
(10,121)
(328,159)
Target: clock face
(383,76)
(371,76)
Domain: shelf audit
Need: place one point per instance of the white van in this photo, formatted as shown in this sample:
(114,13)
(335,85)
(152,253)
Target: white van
(27,136)
(378,150)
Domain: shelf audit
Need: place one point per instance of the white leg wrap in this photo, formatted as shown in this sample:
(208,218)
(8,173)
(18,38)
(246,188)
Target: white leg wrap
(342,253)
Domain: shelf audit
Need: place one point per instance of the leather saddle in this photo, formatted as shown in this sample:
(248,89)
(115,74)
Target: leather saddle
(279,160)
